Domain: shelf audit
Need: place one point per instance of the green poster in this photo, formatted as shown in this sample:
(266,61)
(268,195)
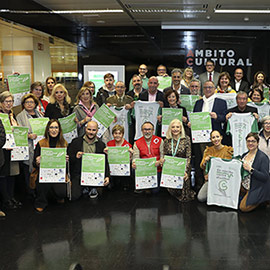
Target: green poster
(119,160)
(104,117)
(93,170)
(52,165)
(164,82)
(69,127)
(20,136)
(38,125)
(201,127)
(5,121)
(266,92)
(188,101)
(169,114)
(146,173)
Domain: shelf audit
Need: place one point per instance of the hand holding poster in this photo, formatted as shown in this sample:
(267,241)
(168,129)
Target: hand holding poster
(188,101)
(201,127)
(52,165)
(169,114)
(18,85)
(146,173)
(38,126)
(224,180)
(104,117)
(69,127)
(173,172)
(164,82)
(93,170)
(21,151)
(119,160)
(10,142)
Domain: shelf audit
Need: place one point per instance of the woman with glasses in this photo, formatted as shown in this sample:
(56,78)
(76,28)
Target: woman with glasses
(255,187)
(29,105)
(53,139)
(10,168)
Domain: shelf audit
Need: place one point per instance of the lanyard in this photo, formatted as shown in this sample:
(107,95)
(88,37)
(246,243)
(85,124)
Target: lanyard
(174,152)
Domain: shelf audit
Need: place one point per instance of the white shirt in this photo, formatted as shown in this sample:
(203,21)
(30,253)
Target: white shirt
(208,103)
(237,85)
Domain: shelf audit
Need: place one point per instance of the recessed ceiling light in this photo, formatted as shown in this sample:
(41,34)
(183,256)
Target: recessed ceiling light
(253,11)
(100,21)
(75,11)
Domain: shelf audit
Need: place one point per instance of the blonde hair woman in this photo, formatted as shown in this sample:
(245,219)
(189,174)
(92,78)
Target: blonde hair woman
(49,85)
(177,144)
(59,105)
(187,77)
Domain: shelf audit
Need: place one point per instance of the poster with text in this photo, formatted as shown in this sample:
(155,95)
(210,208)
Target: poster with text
(169,114)
(119,161)
(69,127)
(21,151)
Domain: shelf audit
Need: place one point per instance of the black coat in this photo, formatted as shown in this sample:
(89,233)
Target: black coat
(53,112)
(260,180)
(144,96)
(2,142)
(76,163)
(244,86)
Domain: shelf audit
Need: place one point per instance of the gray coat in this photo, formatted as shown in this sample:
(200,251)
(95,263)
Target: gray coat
(23,120)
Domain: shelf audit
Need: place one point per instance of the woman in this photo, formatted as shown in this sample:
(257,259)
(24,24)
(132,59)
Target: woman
(2,143)
(256,95)
(29,105)
(53,139)
(37,90)
(177,144)
(85,108)
(259,81)
(188,75)
(255,188)
(91,86)
(224,80)
(172,101)
(49,85)
(59,105)
(217,150)
(118,135)
(264,134)
(10,168)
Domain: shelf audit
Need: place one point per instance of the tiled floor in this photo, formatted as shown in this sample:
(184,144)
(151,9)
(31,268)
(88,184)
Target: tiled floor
(123,230)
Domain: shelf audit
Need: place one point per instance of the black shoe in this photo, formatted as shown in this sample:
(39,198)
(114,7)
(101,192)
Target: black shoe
(75,266)
(17,203)
(9,205)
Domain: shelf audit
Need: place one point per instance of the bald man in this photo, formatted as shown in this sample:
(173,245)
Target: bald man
(89,143)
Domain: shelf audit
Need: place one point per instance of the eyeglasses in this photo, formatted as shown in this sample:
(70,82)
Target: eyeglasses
(267,124)
(208,87)
(8,101)
(209,65)
(194,86)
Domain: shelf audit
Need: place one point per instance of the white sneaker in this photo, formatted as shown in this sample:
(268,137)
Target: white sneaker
(93,193)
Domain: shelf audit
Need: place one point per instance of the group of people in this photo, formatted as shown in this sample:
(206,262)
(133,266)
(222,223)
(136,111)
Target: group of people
(54,102)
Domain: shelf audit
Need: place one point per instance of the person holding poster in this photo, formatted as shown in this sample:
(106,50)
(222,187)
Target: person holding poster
(37,90)
(29,105)
(217,150)
(255,187)
(149,146)
(89,143)
(2,161)
(264,134)
(49,85)
(217,109)
(53,139)
(85,108)
(177,144)
(10,168)
(59,105)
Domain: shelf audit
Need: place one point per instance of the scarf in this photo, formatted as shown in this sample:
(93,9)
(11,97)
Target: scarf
(89,112)
(206,103)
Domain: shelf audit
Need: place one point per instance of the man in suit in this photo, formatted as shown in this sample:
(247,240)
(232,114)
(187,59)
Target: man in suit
(238,84)
(217,109)
(210,74)
(176,83)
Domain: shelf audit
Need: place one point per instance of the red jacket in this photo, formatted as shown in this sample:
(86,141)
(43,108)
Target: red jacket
(125,143)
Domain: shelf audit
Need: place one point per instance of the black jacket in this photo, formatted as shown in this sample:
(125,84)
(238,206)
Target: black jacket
(76,163)
(244,86)
(102,95)
(2,142)
(144,96)
(53,112)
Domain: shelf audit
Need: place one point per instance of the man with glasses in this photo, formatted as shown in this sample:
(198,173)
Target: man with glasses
(210,74)
(142,74)
(238,84)
(149,146)
(162,71)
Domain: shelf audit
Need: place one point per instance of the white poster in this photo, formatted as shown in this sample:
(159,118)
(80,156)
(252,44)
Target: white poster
(224,181)
(230,99)
(145,111)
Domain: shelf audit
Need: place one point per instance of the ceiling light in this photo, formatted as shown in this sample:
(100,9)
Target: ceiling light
(86,11)
(254,11)
(171,26)
(164,10)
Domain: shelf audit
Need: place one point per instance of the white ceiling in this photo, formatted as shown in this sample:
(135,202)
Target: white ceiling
(204,15)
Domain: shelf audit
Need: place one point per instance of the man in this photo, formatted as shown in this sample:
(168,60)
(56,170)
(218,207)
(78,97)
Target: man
(210,74)
(176,83)
(120,99)
(238,84)
(217,109)
(152,94)
(162,71)
(89,143)
(195,87)
(142,74)
(107,90)
(149,146)
(137,87)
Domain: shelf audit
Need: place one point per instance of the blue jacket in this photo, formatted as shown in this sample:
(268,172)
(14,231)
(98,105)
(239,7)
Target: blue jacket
(219,107)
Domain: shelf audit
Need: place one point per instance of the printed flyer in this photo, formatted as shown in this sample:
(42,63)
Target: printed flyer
(119,161)
(169,114)
(21,151)
(69,127)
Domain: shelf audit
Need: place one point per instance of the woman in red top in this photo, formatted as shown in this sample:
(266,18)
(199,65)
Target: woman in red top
(118,135)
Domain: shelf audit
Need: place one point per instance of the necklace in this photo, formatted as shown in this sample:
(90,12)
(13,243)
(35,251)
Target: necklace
(175,150)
